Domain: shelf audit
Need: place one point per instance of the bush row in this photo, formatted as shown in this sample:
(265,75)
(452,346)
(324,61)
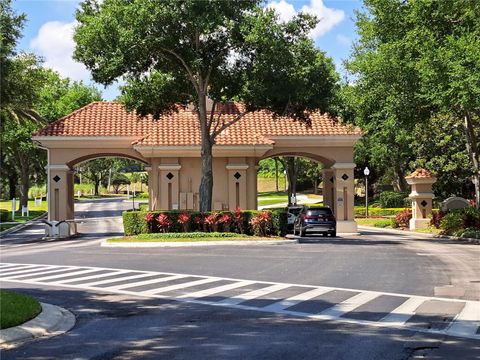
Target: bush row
(360,211)
(250,222)
(460,222)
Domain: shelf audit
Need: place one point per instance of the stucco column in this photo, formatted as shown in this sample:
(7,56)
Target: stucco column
(237,186)
(60,192)
(328,185)
(344,191)
(169,186)
(252,195)
(153,186)
(421,181)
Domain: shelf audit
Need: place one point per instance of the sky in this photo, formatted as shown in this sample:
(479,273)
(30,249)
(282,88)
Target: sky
(50,23)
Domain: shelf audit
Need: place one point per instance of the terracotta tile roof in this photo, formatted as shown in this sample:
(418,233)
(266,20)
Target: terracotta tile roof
(111,119)
(420,173)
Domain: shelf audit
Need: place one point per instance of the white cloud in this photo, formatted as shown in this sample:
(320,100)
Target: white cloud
(343,40)
(328,17)
(54,42)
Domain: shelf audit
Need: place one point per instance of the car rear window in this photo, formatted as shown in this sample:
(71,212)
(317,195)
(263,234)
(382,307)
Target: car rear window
(316,212)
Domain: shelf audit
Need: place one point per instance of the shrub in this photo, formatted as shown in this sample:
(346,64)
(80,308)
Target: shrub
(140,222)
(392,199)
(261,223)
(473,233)
(184,219)
(164,222)
(457,220)
(402,219)
(437,217)
(211,220)
(382,223)
(134,223)
(5,215)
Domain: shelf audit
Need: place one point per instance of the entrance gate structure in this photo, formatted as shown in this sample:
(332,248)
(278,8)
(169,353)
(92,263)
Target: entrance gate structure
(170,146)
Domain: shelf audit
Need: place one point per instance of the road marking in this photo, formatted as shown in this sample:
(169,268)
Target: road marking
(179,286)
(146,282)
(50,271)
(294,300)
(235,300)
(215,290)
(349,304)
(64,275)
(123,278)
(20,268)
(30,270)
(401,314)
(98,276)
(467,322)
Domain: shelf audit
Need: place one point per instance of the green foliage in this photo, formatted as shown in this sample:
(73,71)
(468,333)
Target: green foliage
(417,64)
(383,223)
(5,215)
(193,235)
(452,222)
(140,222)
(402,219)
(472,233)
(392,199)
(360,211)
(186,52)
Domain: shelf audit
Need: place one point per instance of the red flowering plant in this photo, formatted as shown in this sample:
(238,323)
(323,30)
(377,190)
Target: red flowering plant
(211,221)
(184,219)
(164,222)
(149,218)
(261,223)
(238,219)
(200,222)
(402,219)
(225,220)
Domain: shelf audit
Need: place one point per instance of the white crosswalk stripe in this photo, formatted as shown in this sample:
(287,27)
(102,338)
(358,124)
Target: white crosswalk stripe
(350,304)
(253,294)
(143,283)
(401,314)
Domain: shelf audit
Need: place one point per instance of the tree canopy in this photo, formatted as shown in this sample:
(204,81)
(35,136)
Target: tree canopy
(184,52)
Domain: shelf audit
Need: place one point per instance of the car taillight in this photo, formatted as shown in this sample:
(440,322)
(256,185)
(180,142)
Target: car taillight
(311,217)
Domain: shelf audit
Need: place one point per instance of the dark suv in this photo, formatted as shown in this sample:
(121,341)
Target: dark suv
(315,219)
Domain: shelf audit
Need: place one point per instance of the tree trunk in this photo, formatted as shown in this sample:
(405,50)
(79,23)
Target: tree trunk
(25,186)
(292,178)
(276,174)
(315,186)
(96,187)
(12,185)
(472,148)
(206,183)
(399,182)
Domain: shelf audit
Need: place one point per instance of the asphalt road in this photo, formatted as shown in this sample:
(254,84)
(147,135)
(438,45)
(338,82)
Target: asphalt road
(112,325)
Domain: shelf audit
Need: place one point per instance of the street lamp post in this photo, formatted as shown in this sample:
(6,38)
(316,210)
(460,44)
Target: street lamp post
(366,172)
(284,180)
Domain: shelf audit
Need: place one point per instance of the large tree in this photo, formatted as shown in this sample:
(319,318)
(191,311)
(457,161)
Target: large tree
(174,53)
(415,61)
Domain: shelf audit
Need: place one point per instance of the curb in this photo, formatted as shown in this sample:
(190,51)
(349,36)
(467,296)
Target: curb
(22,225)
(52,321)
(151,244)
(413,233)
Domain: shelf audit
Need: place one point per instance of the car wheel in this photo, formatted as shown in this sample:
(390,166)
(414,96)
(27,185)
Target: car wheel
(303,233)
(334,234)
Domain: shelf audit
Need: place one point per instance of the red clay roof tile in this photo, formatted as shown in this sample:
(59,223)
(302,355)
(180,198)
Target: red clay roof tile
(182,128)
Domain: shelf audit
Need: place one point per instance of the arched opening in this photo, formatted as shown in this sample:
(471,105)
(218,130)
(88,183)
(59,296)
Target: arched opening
(104,187)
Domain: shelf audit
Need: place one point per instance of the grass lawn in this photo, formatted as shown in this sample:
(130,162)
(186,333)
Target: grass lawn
(34,211)
(15,308)
(376,222)
(188,237)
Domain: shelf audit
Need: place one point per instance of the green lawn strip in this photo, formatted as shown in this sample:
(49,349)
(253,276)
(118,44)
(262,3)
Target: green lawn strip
(15,308)
(7,205)
(263,202)
(19,219)
(188,237)
(376,222)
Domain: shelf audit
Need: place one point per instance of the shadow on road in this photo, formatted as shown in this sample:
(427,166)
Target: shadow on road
(124,327)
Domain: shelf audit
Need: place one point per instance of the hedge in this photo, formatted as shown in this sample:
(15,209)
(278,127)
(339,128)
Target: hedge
(392,199)
(135,222)
(5,215)
(360,211)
